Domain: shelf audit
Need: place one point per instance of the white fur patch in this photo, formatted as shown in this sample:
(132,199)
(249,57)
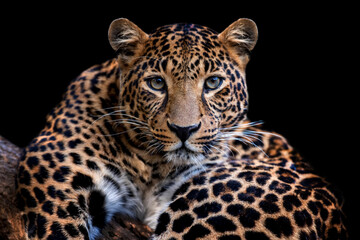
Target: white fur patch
(114,199)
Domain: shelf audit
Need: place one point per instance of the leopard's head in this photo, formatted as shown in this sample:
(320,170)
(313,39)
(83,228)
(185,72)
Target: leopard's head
(181,85)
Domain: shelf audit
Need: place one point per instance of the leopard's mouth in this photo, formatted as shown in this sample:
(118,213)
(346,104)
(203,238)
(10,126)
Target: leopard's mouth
(185,146)
(184,156)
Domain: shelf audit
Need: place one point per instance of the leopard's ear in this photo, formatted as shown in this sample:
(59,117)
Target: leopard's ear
(240,37)
(127,39)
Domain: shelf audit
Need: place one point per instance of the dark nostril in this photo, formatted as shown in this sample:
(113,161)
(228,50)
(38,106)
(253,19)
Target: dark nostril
(183,132)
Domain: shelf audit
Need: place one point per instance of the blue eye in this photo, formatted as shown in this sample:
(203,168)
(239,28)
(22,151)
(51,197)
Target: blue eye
(156,83)
(213,83)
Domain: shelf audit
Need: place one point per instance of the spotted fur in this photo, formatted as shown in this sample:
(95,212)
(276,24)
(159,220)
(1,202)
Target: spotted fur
(160,134)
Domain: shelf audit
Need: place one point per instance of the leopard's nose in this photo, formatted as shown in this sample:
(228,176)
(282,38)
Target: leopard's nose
(183,133)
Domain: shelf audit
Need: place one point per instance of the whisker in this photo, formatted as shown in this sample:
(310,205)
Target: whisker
(243,125)
(208,149)
(128,115)
(103,116)
(152,147)
(249,141)
(120,112)
(108,108)
(122,132)
(129,121)
(229,147)
(263,133)
(218,150)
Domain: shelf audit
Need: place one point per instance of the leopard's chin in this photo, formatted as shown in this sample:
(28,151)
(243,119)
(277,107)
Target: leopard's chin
(184,156)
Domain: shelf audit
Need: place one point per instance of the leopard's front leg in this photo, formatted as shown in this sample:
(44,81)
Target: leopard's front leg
(62,202)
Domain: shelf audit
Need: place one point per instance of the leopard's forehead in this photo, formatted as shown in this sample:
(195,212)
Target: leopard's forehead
(180,39)
(183,29)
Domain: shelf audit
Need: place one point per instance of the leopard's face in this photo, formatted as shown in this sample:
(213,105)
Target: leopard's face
(181,86)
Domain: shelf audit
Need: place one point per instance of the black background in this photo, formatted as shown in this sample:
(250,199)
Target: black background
(300,77)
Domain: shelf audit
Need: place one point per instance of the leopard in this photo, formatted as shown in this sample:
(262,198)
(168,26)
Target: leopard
(160,134)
